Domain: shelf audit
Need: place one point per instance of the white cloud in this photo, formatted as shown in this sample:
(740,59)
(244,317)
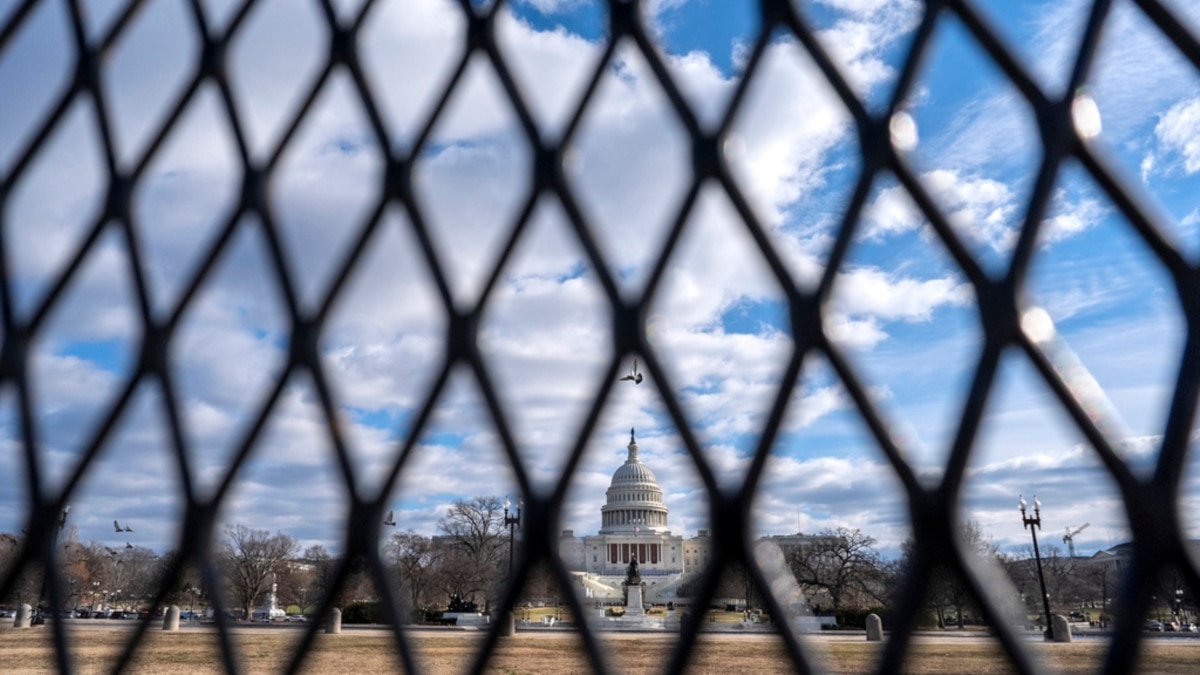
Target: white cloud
(814,405)
(552,6)
(981,208)
(1178,132)
(1191,221)
(546,334)
(1147,166)
(551,67)
(872,292)
(854,333)
(856,44)
(1070,219)
(832,492)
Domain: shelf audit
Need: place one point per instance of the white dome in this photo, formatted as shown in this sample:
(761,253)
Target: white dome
(634,473)
(635,501)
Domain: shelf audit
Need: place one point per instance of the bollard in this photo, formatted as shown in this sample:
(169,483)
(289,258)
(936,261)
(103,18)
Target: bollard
(24,616)
(1062,629)
(171,618)
(874,628)
(508,625)
(333,623)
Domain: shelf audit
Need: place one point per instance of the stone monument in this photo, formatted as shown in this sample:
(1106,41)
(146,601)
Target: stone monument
(874,628)
(1062,629)
(270,610)
(171,618)
(24,616)
(633,593)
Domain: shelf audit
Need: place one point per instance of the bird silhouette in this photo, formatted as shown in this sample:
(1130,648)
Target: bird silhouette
(128,528)
(128,545)
(633,375)
(390,520)
(111,552)
(117,526)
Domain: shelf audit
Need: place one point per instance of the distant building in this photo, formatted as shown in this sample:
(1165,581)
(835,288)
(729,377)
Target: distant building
(1114,559)
(634,525)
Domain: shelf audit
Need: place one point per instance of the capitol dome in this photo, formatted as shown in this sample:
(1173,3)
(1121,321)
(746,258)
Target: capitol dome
(634,499)
(635,472)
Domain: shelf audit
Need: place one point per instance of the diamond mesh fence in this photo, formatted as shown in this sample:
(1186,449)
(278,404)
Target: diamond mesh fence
(1009,320)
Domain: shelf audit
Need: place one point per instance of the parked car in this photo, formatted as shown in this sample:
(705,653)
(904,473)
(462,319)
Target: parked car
(296,618)
(1154,626)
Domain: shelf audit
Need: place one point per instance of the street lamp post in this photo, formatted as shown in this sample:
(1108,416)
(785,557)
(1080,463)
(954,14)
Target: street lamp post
(511,522)
(1033,525)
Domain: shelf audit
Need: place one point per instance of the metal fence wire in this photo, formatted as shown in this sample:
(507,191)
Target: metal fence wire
(1149,502)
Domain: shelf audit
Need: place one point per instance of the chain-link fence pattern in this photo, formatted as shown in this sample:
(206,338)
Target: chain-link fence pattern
(1150,503)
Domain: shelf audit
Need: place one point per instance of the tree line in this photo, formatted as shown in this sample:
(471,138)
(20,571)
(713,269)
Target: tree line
(466,562)
(840,571)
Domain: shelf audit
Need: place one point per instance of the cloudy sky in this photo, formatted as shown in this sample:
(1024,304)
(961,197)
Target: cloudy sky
(900,308)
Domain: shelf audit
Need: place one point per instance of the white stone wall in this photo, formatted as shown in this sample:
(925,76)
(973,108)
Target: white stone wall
(571,550)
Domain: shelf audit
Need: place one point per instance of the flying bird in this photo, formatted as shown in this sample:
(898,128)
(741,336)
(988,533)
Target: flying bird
(633,375)
(111,552)
(128,545)
(389,521)
(117,526)
(128,528)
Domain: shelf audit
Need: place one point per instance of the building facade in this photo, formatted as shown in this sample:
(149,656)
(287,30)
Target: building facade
(634,525)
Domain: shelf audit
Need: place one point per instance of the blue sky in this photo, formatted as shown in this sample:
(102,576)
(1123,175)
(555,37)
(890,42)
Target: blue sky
(900,308)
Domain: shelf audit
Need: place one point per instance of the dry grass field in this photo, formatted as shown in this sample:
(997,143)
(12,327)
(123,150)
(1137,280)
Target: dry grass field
(193,651)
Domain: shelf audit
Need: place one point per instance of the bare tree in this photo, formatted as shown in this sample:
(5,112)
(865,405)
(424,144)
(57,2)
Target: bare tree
(247,558)
(413,557)
(954,590)
(736,582)
(323,566)
(1065,586)
(298,585)
(541,587)
(474,547)
(947,589)
(28,580)
(141,574)
(1172,594)
(841,564)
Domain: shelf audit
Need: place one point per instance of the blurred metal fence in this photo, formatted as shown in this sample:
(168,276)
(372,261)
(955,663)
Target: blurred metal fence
(1150,503)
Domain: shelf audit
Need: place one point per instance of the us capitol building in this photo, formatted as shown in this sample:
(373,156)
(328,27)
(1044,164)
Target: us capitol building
(633,524)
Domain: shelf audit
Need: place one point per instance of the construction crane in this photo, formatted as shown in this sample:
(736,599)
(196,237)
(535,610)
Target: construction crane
(1069,539)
